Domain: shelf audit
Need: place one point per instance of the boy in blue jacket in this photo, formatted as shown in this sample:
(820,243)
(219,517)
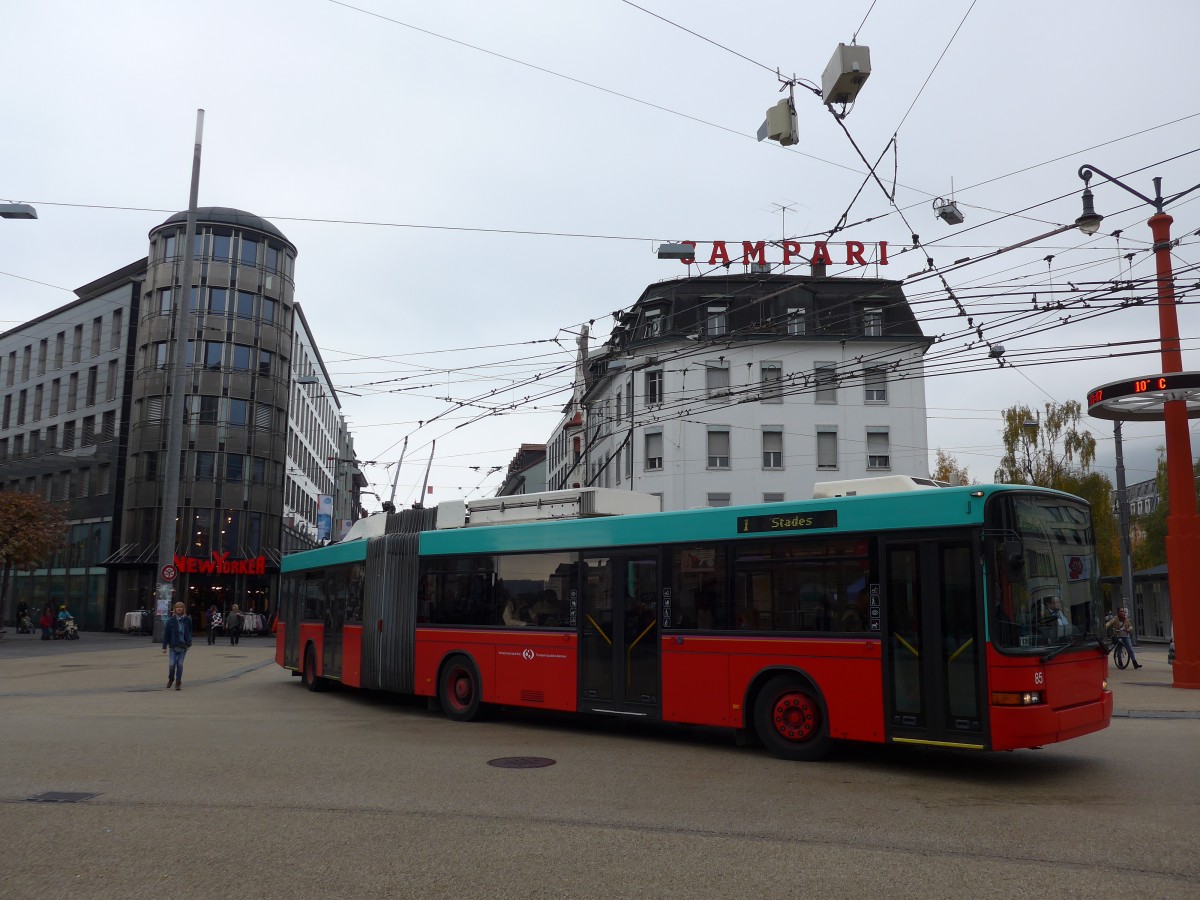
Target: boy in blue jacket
(177,634)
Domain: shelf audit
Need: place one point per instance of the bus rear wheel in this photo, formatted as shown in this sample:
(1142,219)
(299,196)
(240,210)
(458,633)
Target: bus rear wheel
(459,689)
(311,680)
(790,719)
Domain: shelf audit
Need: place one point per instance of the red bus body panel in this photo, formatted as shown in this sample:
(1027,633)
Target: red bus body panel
(1074,701)
(706,679)
(352,655)
(280,634)
(517,667)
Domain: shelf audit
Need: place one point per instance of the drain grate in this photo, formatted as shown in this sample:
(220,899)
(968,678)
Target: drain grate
(521,762)
(61,797)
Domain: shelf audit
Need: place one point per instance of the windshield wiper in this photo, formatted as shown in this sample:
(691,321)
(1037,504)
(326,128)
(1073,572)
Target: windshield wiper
(1077,640)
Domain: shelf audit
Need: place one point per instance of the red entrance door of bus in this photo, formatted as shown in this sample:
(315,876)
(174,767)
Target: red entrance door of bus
(618,635)
(933,647)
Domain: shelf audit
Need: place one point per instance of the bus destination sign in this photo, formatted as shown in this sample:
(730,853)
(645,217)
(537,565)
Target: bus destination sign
(797,521)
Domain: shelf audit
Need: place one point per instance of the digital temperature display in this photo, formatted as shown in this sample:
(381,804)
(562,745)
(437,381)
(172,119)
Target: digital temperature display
(1146,385)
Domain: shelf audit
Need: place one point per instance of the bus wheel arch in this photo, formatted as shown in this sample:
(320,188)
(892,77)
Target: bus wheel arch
(460,689)
(789,714)
(311,679)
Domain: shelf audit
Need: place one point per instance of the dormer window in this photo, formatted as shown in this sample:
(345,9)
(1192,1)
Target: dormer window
(873,321)
(795,320)
(716,320)
(653,322)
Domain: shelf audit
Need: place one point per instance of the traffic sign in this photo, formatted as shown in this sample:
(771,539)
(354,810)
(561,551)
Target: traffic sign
(169,572)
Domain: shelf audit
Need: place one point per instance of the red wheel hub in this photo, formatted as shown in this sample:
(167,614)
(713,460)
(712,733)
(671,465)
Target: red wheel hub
(462,688)
(796,716)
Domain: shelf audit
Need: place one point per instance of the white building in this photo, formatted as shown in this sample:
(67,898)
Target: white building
(742,389)
(320,450)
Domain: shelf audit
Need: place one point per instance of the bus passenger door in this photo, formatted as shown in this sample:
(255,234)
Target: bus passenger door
(933,645)
(618,635)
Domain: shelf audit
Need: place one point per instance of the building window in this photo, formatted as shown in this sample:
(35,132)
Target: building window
(715,500)
(220,245)
(654,452)
(795,320)
(878,456)
(60,343)
(773,498)
(718,448)
(620,406)
(43,349)
(249,254)
(875,390)
(772,449)
(97,330)
(771,377)
(873,322)
(204,465)
(115,342)
(108,425)
(234,463)
(90,396)
(212,354)
(218,301)
(72,391)
(268,309)
(37,403)
(22,399)
(110,388)
(12,369)
(55,395)
(167,245)
(7,411)
(264,362)
(77,344)
(237,413)
(103,479)
(69,436)
(26,358)
(629,462)
(654,387)
(51,438)
(653,323)
(164,301)
(160,354)
(716,321)
(827,448)
(825,378)
(241,357)
(245,305)
(89,431)
(716,379)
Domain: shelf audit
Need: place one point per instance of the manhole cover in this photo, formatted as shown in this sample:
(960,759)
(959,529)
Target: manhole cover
(521,762)
(61,797)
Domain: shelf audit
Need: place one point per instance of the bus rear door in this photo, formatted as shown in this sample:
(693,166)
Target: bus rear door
(618,635)
(933,648)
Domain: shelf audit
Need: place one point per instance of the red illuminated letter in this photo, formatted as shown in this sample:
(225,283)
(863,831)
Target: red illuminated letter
(719,254)
(854,253)
(883,253)
(820,254)
(688,260)
(790,249)
(753,252)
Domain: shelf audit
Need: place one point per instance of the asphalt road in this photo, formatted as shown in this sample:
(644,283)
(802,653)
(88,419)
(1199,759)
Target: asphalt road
(245,785)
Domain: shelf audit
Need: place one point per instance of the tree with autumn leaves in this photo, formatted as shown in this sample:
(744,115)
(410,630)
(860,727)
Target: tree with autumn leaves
(31,531)
(1050,449)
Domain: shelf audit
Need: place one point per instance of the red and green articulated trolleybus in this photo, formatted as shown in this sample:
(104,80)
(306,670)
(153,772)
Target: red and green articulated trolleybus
(958,617)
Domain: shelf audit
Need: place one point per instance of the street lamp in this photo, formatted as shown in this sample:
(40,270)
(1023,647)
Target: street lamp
(1183,524)
(17,211)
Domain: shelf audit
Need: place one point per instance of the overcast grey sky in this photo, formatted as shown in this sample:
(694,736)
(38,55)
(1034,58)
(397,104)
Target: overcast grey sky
(600,119)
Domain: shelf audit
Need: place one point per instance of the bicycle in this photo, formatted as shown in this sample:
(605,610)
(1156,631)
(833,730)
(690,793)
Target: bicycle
(1120,653)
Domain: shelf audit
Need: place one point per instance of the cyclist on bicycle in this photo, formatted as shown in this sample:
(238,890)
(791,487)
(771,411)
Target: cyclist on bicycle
(1121,629)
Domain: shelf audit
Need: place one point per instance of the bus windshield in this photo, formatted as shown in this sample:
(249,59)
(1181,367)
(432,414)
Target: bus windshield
(1044,583)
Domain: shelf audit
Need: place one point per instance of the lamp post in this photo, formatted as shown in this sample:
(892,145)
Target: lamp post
(1183,524)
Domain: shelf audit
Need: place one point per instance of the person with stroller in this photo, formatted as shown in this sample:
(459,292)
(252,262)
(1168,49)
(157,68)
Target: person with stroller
(64,616)
(24,626)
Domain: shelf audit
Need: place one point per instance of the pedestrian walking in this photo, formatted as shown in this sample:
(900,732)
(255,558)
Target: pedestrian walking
(214,621)
(1122,630)
(234,625)
(177,635)
(22,614)
(46,622)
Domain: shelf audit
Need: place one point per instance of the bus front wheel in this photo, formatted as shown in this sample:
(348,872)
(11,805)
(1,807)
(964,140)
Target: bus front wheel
(311,680)
(459,689)
(790,720)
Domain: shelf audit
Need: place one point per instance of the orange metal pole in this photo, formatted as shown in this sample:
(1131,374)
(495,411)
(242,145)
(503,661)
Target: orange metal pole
(1183,524)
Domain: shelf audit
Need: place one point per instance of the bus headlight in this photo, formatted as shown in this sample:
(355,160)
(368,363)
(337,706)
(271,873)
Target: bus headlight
(1016,698)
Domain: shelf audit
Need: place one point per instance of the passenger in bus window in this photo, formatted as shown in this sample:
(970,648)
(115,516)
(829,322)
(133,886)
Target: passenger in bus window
(516,614)
(1054,614)
(547,610)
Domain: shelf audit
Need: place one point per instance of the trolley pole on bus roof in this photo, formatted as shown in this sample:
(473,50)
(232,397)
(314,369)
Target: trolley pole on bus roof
(176,408)
(396,477)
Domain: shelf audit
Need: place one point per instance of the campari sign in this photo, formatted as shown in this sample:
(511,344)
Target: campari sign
(221,564)
(790,253)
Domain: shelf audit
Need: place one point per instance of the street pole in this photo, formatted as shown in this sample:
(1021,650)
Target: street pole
(1123,519)
(1183,524)
(176,408)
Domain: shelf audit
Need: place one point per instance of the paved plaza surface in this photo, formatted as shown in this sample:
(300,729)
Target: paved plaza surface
(244,784)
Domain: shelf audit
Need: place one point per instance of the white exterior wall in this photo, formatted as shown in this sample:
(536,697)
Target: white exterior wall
(686,414)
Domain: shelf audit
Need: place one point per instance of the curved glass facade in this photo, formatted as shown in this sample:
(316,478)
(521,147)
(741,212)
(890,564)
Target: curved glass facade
(236,350)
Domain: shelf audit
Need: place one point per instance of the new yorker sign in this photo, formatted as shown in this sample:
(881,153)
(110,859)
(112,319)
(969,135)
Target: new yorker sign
(856,253)
(221,564)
